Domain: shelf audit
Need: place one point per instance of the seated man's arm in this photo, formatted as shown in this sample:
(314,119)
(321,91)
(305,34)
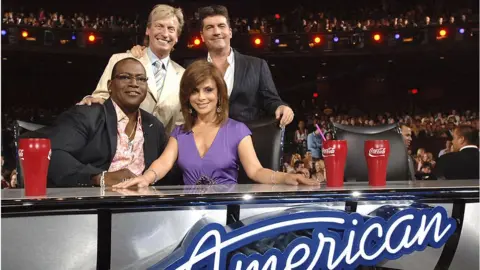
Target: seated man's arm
(69,136)
(439,170)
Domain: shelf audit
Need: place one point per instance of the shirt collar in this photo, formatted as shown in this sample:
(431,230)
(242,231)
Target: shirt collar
(154,58)
(468,146)
(230,58)
(122,116)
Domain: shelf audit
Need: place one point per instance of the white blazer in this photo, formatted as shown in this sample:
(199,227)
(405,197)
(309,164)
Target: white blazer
(167,107)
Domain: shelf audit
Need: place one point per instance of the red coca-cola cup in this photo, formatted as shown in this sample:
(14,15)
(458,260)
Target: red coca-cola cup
(376,155)
(34,155)
(335,156)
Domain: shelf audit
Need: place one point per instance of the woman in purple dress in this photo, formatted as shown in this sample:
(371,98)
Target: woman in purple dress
(209,146)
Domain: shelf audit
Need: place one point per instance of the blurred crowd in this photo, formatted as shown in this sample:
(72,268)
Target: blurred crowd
(298,20)
(431,138)
(79,20)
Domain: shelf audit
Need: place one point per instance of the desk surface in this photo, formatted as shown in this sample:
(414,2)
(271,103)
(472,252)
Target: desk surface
(253,189)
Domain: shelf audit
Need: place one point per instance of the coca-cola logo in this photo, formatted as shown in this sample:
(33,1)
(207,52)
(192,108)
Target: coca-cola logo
(49,154)
(20,154)
(328,152)
(377,152)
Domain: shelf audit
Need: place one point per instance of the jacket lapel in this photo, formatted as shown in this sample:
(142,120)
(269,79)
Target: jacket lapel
(238,75)
(111,121)
(149,152)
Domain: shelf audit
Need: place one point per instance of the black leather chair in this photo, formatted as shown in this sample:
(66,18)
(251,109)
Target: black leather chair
(267,139)
(356,166)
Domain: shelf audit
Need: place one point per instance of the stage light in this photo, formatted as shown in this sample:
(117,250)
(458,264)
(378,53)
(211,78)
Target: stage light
(317,40)
(277,41)
(4,32)
(377,37)
(443,32)
(461,31)
(335,39)
(397,36)
(196,41)
(414,91)
(257,41)
(24,34)
(91,38)
(277,16)
(315,95)
(74,37)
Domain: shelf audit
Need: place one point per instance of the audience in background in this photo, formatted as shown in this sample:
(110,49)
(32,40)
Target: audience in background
(300,19)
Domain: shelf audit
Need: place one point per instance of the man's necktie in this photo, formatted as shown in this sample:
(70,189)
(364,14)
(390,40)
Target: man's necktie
(160,72)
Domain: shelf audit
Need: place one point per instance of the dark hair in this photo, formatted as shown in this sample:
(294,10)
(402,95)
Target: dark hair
(213,10)
(198,72)
(426,165)
(469,133)
(297,164)
(114,69)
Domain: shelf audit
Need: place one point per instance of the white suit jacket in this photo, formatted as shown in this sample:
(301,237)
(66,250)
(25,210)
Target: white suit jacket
(167,107)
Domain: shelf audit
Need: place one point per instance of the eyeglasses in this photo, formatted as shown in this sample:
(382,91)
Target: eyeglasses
(129,77)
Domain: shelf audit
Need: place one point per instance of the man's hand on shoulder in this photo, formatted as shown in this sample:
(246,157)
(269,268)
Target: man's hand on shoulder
(89,100)
(285,114)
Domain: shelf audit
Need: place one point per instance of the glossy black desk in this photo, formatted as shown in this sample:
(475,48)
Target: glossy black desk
(91,228)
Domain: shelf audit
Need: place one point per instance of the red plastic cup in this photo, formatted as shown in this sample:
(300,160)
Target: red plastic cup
(376,155)
(334,154)
(34,155)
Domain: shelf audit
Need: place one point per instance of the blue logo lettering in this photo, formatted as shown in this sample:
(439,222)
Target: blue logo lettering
(338,240)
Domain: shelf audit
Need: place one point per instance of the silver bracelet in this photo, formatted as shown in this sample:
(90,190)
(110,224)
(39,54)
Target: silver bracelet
(156,175)
(102,179)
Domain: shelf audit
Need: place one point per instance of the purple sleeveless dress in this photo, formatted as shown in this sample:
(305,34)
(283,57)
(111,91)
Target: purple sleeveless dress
(220,163)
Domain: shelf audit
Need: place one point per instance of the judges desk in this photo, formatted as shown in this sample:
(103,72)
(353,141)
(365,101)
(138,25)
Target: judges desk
(94,228)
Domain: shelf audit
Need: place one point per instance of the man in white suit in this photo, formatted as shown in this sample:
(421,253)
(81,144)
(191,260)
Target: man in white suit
(164,26)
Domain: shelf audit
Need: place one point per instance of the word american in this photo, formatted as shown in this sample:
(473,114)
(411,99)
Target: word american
(339,240)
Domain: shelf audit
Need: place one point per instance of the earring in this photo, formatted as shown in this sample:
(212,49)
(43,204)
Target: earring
(219,110)
(190,111)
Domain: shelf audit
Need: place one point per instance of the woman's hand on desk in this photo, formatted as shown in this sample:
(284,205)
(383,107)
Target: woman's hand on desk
(139,181)
(299,179)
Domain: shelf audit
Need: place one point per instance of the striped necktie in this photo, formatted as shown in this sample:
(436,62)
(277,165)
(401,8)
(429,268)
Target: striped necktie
(160,72)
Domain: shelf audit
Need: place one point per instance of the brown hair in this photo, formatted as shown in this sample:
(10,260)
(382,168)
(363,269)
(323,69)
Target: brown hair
(468,132)
(197,73)
(213,10)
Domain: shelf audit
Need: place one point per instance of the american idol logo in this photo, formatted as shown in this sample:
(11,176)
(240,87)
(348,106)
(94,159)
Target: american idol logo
(338,240)
(328,152)
(377,152)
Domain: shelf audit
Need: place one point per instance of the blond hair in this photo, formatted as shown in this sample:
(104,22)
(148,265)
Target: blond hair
(161,11)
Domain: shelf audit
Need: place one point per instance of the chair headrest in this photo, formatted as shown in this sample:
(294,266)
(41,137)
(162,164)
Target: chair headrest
(29,126)
(366,130)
